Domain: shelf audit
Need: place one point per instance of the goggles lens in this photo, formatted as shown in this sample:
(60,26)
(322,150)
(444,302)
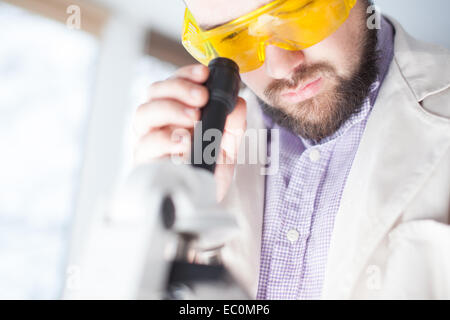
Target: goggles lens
(288,24)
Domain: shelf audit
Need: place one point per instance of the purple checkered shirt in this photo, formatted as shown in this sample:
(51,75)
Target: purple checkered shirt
(303,198)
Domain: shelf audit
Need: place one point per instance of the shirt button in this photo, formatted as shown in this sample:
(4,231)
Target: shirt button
(293,235)
(314,155)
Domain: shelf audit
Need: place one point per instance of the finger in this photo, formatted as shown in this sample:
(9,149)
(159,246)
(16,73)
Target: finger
(162,143)
(224,175)
(238,118)
(235,127)
(161,113)
(183,90)
(197,73)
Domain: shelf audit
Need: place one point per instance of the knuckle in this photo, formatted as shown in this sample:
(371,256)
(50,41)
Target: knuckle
(169,109)
(153,88)
(163,106)
(180,84)
(183,70)
(136,121)
(152,138)
(139,111)
(182,135)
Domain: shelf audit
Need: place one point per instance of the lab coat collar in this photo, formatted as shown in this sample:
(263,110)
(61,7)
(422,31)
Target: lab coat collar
(401,145)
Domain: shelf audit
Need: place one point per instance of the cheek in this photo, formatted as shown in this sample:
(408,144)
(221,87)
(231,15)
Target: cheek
(334,51)
(342,49)
(256,80)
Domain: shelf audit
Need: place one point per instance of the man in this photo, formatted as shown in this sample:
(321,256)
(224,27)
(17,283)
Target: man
(360,205)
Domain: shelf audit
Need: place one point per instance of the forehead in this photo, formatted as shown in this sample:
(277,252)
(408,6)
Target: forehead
(211,13)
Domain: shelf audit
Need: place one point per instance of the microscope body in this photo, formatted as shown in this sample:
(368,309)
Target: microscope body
(147,245)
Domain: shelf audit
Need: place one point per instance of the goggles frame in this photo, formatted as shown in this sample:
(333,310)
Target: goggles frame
(258,29)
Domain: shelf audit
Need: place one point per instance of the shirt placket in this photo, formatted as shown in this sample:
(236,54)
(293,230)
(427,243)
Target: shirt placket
(298,209)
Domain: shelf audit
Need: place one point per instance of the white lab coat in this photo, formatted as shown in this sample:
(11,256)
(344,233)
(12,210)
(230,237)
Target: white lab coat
(392,236)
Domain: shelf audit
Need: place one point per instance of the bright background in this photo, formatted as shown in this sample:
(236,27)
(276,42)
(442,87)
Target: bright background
(66,100)
(426,20)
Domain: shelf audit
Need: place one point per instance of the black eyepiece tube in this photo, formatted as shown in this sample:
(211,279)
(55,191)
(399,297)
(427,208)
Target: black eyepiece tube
(223,86)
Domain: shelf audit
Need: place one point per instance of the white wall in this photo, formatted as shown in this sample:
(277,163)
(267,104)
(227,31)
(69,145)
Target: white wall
(427,20)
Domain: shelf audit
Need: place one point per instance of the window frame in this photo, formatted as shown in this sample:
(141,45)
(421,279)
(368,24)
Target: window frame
(93,17)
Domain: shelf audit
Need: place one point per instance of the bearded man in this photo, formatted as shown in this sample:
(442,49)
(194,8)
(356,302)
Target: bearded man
(359,205)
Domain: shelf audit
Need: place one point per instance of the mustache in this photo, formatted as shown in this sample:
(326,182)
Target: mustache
(301,75)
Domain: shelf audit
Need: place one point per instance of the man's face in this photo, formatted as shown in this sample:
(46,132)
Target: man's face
(303,90)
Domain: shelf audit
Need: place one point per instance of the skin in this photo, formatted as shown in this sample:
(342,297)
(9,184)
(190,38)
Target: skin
(174,105)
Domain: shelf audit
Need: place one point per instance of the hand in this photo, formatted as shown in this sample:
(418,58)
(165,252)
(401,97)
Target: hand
(164,124)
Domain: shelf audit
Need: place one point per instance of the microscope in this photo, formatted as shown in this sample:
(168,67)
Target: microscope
(163,236)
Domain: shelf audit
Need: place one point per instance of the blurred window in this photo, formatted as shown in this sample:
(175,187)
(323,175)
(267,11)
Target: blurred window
(46,76)
(149,70)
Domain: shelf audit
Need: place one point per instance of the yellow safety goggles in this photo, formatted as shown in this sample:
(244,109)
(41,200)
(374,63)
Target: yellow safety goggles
(288,24)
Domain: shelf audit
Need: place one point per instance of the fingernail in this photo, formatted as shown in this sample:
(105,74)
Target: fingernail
(177,138)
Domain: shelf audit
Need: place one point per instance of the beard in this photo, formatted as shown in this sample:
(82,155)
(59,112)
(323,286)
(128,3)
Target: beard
(321,116)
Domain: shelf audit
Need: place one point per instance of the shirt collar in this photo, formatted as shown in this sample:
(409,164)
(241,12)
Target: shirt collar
(354,119)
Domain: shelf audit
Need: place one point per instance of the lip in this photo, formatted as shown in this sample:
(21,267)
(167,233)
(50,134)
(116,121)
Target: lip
(304,92)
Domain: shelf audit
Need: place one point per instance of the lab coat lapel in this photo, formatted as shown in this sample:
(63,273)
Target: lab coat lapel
(383,180)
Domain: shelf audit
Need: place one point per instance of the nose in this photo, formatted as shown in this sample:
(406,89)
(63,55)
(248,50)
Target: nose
(280,63)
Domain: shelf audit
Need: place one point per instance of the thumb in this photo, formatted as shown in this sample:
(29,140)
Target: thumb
(235,127)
